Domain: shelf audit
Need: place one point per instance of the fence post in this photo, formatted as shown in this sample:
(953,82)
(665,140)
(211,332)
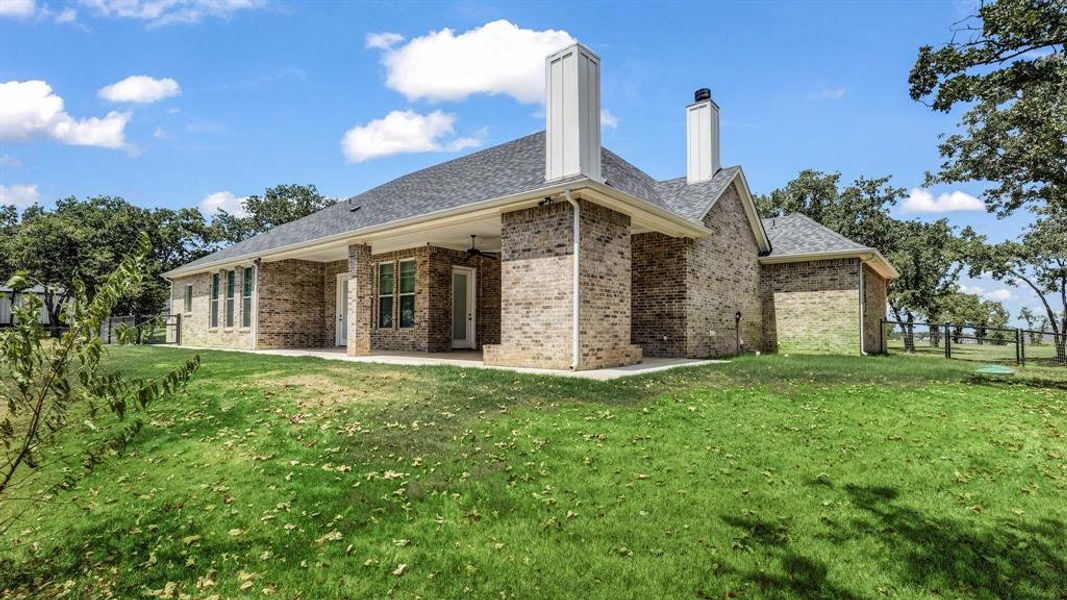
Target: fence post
(1018,355)
(1022,347)
(948,341)
(109,330)
(178,334)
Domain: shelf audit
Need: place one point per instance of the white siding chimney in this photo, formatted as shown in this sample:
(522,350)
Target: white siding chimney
(572,114)
(702,137)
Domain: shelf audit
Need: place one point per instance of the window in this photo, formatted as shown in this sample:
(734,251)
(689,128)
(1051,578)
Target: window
(188,299)
(407,293)
(249,274)
(214,299)
(385,295)
(231,277)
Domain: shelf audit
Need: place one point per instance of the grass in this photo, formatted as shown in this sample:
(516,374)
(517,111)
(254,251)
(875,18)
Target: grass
(773,476)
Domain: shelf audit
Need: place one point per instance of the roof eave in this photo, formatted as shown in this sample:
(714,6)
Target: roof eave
(869,256)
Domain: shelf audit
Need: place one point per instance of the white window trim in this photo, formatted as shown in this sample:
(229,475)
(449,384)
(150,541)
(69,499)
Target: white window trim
(379,295)
(230,304)
(251,297)
(214,297)
(399,294)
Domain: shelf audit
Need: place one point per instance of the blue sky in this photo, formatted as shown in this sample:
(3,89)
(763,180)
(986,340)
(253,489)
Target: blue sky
(239,95)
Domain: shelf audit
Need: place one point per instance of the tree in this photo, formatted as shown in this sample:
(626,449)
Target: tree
(1035,324)
(9,218)
(279,204)
(929,257)
(84,240)
(860,211)
(1038,260)
(49,387)
(1008,65)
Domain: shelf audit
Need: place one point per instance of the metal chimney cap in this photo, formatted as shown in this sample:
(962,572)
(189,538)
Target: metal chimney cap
(701,95)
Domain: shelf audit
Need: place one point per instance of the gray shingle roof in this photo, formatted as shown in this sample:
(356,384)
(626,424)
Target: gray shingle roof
(694,201)
(796,234)
(511,168)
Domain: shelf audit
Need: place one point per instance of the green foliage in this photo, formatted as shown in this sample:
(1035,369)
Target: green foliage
(279,204)
(929,257)
(1038,260)
(49,385)
(1008,66)
(750,479)
(84,240)
(859,211)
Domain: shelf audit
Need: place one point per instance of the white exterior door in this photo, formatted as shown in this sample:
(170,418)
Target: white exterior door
(463,300)
(342,309)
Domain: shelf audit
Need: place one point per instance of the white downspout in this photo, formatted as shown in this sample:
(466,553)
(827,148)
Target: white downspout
(576,348)
(255,305)
(863,308)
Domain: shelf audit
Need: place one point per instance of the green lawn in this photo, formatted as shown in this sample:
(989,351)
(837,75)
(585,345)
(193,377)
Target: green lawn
(794,477)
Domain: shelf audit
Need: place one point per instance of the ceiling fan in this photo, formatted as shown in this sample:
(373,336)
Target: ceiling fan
(474,251)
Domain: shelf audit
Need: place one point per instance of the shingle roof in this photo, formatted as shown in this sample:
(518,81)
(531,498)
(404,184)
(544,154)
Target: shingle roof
(796,234)
(693,201)
(511,168)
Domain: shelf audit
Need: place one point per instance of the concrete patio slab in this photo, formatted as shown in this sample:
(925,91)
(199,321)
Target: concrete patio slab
(472,359)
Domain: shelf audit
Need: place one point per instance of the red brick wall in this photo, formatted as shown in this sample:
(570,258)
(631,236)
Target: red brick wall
(723,275)
(811,307)
(291,305)
(487,304)
(536,288)
(874,306)
(658,292)
(196,330)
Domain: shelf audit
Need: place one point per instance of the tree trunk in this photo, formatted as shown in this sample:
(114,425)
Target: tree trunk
(907,331)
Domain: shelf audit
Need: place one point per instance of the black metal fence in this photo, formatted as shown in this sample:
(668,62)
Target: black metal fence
(975,342)
(159,329)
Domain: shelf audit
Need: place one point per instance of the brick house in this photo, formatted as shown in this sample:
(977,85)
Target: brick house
(547,251)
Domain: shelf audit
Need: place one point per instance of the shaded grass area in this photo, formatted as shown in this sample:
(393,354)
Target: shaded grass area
(771,476)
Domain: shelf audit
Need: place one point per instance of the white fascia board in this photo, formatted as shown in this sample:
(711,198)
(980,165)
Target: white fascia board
(870,257)
(749,203)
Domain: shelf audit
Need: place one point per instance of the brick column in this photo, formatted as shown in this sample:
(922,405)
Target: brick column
(537,267)
(360,301)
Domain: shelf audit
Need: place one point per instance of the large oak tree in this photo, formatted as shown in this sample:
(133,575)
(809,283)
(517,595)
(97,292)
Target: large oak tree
(1007,67)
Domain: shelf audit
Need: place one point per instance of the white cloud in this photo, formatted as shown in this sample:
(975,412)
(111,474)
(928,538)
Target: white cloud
(404,132)
(160,133)
(140,89)
(922,201)
(837,93)
(31,109)
(67,15)
(496,58)
(6,160)
(18,9)
(999,294)
(166,12)
(19,195)
(383,41)
(27,9)
(607,119)
(227,201)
